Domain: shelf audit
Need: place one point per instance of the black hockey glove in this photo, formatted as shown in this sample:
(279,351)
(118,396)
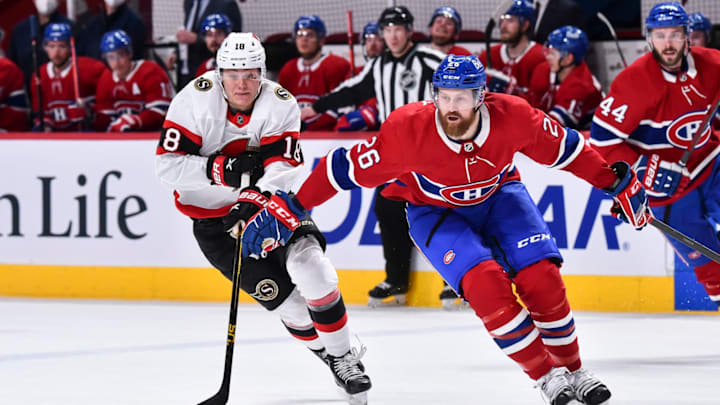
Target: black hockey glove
(228,170)
(249,202)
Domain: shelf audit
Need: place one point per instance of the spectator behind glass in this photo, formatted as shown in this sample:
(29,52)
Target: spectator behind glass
(64,110)
(215,28)
(365,117)
(21,37)
(445,26)
(135,95)
(14,111)
(314,73)
(195,13)
(115,16)
(699,28)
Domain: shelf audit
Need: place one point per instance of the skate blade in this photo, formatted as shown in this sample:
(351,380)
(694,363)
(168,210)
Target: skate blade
(357,399)
(393,300)
(456,304)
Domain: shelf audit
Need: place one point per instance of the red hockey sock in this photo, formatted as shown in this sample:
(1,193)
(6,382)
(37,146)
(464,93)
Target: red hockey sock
(542,290)
(709,275)
(489,291)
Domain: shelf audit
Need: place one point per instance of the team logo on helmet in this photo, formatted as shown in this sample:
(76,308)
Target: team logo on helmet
(282,94)
(408,80)
(681,131)
(470,194)
(203,84)
(266,290)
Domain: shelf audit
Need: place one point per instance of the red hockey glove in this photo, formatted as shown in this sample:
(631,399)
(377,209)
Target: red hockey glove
(125,123)
(76,113)
(631,204)
(364,118)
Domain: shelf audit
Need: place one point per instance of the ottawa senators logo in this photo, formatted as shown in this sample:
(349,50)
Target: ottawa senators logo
(203,84)
(266,290)
(282,94)
(680,133)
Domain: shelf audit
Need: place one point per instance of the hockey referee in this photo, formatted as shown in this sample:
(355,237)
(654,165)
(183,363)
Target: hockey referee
(402,74)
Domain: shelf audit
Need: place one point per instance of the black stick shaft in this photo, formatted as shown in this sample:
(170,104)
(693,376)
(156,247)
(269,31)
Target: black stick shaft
(221,397)
(34,32)
(686,240)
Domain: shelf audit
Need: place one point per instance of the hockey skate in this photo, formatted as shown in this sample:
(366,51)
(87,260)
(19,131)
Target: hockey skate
(387,294)
(588,388)
(556,389)
(450,300)
(350,375)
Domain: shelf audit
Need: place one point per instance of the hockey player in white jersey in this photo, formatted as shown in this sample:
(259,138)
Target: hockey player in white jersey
(231,125)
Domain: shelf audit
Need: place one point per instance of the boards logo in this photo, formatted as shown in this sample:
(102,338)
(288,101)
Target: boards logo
(681,131)
(470,194)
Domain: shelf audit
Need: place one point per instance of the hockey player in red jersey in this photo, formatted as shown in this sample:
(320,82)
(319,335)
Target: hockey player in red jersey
(313,73)
(14,110)
(653,128)
(230,123)
(445,26)
(135,94)
(699,28)
(365,116)
(215,28)
(64,110)
(564,87)
(514,61)
(451,161)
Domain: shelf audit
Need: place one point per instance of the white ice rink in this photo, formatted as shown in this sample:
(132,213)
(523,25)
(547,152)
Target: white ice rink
(99,352)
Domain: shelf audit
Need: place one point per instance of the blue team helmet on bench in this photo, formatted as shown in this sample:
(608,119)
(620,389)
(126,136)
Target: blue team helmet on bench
(698,22)
(371,28)
(448,12)
(569,40)
(217,22)
(460,72)
(115,40)
(667,14)
(312,22)
(57,32)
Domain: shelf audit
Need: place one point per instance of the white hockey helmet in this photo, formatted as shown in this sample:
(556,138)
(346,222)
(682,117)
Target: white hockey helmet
(241,50)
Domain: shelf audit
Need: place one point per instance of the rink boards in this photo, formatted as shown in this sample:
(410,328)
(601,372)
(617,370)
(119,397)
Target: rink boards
(83,215)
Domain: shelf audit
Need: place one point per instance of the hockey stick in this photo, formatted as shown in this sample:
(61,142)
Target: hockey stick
(701,130)
(609,26)
(350,42)
(221,397)
(685,240)
(76,81)
(36,66)
(502,7)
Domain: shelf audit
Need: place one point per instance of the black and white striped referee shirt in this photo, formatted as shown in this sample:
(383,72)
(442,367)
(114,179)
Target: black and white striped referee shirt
(393,81)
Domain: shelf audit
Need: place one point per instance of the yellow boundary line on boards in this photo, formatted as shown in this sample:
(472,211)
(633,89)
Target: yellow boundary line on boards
(585,292)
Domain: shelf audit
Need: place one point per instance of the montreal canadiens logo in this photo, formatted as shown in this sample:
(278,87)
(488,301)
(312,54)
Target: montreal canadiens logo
(449,256)
(470,194)
(680,133)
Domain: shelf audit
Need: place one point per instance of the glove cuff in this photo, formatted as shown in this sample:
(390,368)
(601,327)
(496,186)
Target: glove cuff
(253,196)
(621,170)
(214,169)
